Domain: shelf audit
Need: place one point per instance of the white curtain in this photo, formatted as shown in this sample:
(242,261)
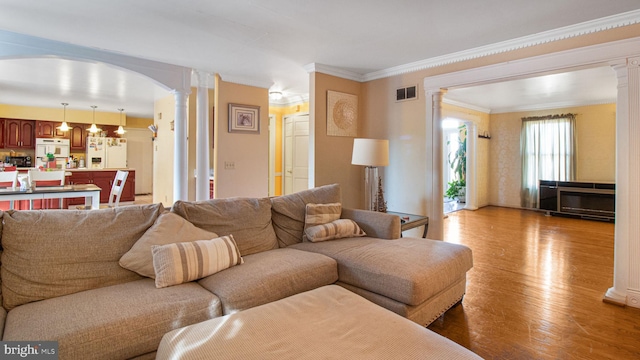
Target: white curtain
(548,153)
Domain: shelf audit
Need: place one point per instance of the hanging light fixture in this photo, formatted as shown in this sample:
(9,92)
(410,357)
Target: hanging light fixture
(120,128)
(94,129)
(64,126)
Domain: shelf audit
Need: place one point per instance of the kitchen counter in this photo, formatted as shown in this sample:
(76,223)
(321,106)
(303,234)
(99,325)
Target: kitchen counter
(90,169)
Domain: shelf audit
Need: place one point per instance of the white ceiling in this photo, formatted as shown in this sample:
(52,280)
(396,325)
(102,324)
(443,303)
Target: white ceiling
(267,42)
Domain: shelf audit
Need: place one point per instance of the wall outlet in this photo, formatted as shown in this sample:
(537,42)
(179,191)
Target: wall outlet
(229,165)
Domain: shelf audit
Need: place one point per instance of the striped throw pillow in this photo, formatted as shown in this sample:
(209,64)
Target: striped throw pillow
(187,261)
(318,214)
(337,229)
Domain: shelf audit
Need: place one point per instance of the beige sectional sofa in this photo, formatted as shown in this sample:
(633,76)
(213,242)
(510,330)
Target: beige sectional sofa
(75,276)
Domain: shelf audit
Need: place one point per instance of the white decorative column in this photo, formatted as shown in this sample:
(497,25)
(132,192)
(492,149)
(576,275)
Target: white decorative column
(434,187)
(626,276)
(180,150)
(202,137)
(633,186)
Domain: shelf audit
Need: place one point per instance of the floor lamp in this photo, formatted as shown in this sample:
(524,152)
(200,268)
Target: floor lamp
(371,153)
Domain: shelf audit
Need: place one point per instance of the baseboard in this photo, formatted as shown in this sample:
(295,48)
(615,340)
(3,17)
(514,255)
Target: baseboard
(633,298)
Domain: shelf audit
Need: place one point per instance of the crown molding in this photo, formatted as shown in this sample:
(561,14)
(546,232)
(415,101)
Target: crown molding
(290,100)
(587,27)
(465,105)
(334,71)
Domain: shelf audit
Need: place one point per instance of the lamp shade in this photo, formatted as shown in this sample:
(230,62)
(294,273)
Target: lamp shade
(370,152)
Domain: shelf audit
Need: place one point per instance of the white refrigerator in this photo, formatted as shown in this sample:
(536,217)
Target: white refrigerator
(106,153)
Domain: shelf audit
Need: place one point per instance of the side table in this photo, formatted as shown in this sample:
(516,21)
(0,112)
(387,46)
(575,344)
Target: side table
(410,221)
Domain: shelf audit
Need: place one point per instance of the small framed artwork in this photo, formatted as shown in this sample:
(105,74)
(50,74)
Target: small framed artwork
(244,118)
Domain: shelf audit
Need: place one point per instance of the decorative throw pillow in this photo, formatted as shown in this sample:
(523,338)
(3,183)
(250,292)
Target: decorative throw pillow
(318,214)
(169,228)
(187,261)
(336,229)
(287,211)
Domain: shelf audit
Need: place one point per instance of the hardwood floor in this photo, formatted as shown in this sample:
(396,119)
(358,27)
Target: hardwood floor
(535,291)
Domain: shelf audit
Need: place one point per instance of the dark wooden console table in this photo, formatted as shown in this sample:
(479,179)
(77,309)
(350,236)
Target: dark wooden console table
(410,221)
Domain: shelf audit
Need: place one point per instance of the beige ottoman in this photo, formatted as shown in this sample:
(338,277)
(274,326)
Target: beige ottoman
(326,323)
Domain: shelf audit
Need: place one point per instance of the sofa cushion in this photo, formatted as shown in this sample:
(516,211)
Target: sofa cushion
(289,211)
(187,261)
(58,252)
(338,229)
(169,228)
(408,270)
(249,220)
(115,322)
(270,276)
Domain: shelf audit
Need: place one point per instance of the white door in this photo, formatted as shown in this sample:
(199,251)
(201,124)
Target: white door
(296,153)
(140,158)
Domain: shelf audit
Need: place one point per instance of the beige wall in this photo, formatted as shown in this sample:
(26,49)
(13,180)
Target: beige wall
(163,151)
(595,146)
(249,152)
(332,154)
(403,124)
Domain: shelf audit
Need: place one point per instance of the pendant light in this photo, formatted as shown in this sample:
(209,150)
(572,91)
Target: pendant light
(64,126)
(120,128)
(93,129)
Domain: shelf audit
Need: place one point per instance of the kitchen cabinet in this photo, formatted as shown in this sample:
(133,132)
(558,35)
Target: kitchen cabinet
(110,130)
(19,134)
(50,129)
(78,137)
(2,134)
(104,180)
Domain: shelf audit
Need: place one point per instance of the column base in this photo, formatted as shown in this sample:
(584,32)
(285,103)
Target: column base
(613,298)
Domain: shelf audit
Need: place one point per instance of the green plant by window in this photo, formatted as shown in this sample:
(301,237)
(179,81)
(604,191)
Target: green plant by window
(458,164)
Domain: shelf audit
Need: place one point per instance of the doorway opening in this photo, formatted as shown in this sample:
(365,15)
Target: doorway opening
(454,164)
(295,153)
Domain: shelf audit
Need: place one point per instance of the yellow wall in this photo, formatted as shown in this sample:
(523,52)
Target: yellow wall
(279,112)
(72,116)
(595,147)
(135,122)
(249,152)
(333,153)
(57,114)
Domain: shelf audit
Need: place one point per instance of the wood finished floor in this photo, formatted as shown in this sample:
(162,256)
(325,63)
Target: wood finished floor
(535,291)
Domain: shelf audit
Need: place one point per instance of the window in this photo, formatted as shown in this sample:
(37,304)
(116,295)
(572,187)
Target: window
(548,153)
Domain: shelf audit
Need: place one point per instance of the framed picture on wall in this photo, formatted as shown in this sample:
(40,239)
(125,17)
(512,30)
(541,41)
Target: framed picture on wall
(244,119)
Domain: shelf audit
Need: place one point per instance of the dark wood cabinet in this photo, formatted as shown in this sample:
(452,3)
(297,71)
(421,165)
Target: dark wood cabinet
(19,134)
(104,180)
(2,134)
(50,129)
(78,137)
(110,130)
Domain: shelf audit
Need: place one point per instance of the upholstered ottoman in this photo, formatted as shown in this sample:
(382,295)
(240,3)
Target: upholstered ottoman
(326,323)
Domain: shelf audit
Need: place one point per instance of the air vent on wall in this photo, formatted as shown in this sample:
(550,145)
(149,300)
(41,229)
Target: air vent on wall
(407,93)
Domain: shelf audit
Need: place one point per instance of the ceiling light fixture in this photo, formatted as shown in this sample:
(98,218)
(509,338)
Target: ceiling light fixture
(120,128)
(93,129)
(275,95)
(64,126)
